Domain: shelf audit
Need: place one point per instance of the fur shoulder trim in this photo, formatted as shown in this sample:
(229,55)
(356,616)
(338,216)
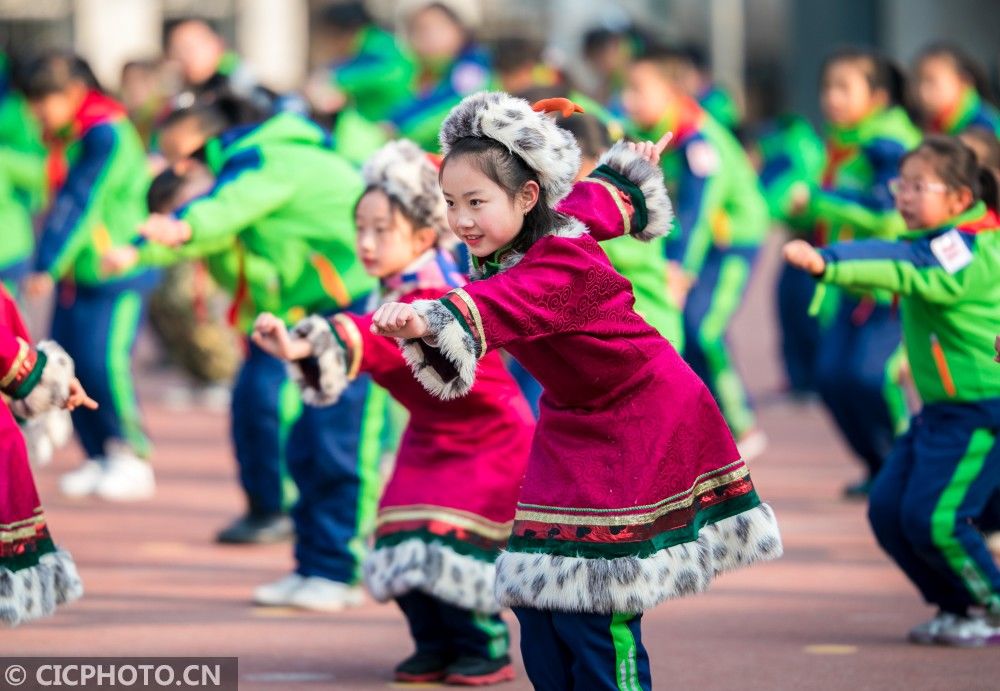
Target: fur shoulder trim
(631,584)
(52,389)
(323,377)
(649,179)
(444,362)
(548,149)
(436,569)
(36,591)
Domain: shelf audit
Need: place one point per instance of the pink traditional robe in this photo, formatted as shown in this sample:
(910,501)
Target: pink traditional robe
(635,491)
(449,505)
(35,575)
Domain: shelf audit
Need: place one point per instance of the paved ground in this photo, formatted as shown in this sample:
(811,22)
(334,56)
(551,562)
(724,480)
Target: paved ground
(830,615)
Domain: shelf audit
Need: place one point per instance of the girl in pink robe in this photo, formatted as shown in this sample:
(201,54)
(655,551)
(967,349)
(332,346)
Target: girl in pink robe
(35,575)
(635,492)
(449,505)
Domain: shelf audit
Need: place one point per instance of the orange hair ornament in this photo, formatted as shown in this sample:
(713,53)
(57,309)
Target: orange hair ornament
(562,106)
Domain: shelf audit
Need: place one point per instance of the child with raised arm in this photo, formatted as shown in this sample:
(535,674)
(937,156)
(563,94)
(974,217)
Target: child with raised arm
(448,507)
(942,473)
(635,492)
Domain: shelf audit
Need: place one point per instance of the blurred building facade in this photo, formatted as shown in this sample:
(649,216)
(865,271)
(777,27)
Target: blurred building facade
(767,51)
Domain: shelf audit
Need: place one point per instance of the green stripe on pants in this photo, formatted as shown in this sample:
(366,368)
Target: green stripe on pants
(124,324)
(289,411)
(943,519)
(369,478)
(734,273)
(625,652)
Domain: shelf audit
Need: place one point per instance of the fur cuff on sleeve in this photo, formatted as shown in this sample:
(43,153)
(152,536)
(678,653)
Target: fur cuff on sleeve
(447,369)
(322,378)
(644,183)
(52,389)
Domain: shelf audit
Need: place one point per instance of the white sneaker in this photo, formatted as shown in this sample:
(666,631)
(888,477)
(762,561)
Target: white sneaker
(971,632)
(928,632)
(126,478)
(279,593)
(323,595)
(84,480)
(752,444)
(216,398)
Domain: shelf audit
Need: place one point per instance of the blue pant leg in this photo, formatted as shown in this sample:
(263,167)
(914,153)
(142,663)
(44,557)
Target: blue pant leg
(800,333)
(337,477)
(70,329)
(989,522)
(885,514)
(529,386)
(97,327)
(696,307)
(850,376)
(608,653)
(425,622)
(257,431)
(872,421)
(475,634)
(957,472)
(548,660)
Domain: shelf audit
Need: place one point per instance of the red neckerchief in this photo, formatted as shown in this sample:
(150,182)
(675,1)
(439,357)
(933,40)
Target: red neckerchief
(988,221)
(96,108)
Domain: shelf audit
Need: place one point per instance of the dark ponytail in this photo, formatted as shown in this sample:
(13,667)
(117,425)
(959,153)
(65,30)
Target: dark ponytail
(989,186)
(956,165)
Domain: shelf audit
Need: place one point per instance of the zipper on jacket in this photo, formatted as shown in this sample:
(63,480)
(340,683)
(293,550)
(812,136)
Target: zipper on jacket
(942,366)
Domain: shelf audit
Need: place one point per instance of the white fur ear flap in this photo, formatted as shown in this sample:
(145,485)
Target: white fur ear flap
(323,377)
(444,361)
(622,162)
(52,389)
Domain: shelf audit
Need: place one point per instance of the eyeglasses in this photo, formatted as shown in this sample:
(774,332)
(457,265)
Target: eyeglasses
(897,186)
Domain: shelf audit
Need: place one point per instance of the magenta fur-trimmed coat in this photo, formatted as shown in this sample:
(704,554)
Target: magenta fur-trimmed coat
(36,576)
(449,505)
(635,491)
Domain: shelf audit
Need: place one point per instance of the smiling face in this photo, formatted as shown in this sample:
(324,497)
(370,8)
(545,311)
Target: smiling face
(480,212)
(386,240)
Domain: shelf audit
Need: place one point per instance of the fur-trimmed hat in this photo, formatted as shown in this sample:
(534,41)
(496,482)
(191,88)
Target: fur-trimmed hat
(548,149)
(403,171)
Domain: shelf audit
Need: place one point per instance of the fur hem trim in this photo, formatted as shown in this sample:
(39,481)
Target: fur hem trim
(649,179)
(52,390)
(435,569)
(548,149)
(36,591)
(631,584)
(444,362)
(321,378)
